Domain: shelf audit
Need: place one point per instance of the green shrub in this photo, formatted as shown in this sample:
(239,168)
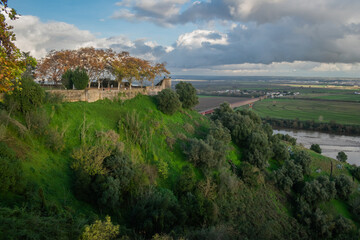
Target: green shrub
(342,157)
(54,140)
(100,230)
(37,121)
(53,98)
(343,187)
(10,173)
(168,101)
(29,97)
(316,148)
(187,94)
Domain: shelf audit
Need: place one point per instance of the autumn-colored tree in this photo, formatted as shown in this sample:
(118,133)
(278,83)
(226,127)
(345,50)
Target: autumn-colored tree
(144,68)
(131,69)
(156,71)
(118,66)
(12,65)
(55,64)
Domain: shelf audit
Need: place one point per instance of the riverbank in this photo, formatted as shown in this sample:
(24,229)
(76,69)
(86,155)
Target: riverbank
(330,128)
(330,144)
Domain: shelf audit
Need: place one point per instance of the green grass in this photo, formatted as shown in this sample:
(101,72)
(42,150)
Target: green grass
(319,111)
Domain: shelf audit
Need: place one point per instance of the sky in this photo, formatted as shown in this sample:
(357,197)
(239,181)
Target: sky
(318,38)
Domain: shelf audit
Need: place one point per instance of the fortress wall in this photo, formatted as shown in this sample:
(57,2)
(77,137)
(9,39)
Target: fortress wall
(92,95)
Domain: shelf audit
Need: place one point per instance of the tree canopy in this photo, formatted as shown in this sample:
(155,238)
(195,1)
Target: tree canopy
(11,62)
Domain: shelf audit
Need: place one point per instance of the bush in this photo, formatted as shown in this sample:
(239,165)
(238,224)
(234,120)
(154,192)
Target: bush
(342,157)
(187,94)
(54,140)
(320,189)
(157,211)
(168,101)
(29,97)
(303,158)
(10,173)
(258,150)
(289,174)
(100,230)
(316,148)
(343,187)
(280,151)
(53,98)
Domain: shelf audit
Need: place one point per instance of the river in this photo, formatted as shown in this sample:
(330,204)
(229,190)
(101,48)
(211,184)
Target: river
(330,144)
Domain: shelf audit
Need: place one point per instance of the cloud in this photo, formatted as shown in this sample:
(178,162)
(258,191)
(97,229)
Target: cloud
(259,11)
(38,38)
(149,10)
(261,31)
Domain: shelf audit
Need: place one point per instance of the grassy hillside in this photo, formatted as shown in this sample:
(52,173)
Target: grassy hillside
(229,198)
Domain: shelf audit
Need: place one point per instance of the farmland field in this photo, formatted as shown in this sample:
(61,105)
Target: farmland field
(207,102)
(317,110)
(335,97)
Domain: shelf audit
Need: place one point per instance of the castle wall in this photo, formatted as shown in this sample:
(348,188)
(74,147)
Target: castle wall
(92,95)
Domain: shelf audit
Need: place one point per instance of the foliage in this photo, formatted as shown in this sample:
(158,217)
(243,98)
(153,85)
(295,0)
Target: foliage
(80,79)
(168,101)
(249,174)
(22,223)
(10,173)
(157,211)
(303,158)
(100,230)
(12,66)
(89,158)
(258,150)
(187,94)
(343,187)
(280,151)
(341,156)
(28,98)
(67,79)
(289,174)
(316,148)
(320,189)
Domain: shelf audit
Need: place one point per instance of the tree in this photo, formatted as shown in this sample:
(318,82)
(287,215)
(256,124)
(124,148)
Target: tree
(28,98)
(342,157)
(168,101)
(100,230)
(80,79)
(343,187)
(67,79)
(258,150)
(303,158)
(187,94)
(156,71)
(316,148)
(12,66)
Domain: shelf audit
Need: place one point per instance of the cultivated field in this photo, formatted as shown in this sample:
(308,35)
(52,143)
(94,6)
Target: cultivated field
(208,102)
(317,110)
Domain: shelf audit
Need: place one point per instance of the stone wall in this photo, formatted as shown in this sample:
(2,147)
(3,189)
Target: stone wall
(92,95)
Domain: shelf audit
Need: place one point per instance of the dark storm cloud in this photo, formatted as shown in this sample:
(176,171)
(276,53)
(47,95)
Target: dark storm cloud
(268,31)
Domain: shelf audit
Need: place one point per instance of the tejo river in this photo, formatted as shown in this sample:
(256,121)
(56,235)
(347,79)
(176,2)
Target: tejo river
(330,144)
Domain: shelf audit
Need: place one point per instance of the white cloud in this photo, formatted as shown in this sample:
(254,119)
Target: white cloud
(198,38)
(39,38)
